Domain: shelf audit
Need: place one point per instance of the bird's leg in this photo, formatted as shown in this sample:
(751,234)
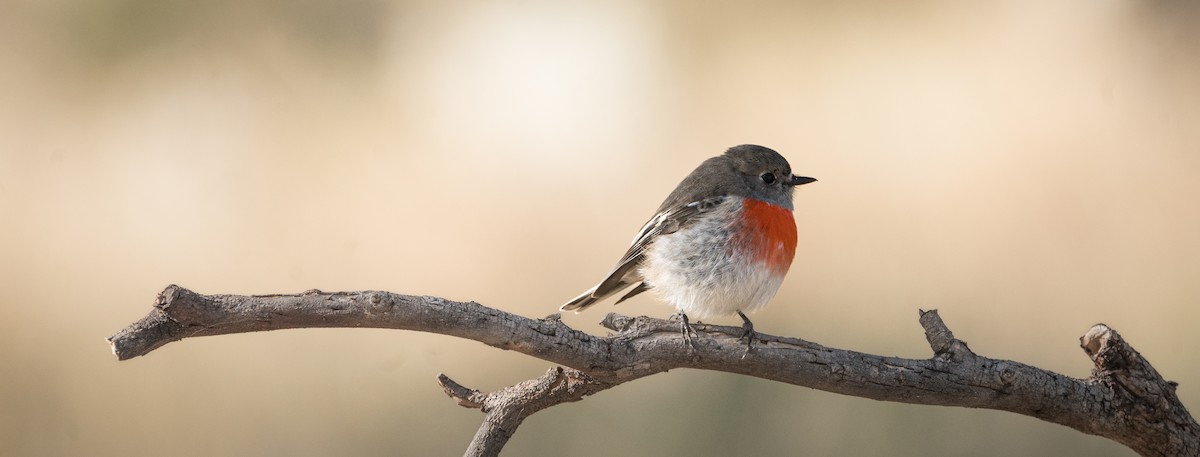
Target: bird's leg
(747,330)
(685,327)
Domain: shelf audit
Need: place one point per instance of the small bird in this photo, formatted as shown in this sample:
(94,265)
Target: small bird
(719,244)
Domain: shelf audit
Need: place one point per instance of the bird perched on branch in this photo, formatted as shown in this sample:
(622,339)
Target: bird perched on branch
(719,244)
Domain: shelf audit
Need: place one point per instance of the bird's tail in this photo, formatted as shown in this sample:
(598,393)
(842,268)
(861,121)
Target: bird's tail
(581,302)
(592,296)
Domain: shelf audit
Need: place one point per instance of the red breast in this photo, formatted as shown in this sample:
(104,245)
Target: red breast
(769,232)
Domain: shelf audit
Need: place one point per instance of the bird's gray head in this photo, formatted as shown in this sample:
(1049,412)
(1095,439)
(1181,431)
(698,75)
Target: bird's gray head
(764,174)
(745,171)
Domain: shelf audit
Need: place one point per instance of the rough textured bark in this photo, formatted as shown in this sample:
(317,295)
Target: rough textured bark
(1125,399)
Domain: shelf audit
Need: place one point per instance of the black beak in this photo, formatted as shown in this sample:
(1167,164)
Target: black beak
(799,180)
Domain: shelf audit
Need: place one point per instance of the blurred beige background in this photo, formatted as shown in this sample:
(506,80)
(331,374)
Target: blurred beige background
(1028,169)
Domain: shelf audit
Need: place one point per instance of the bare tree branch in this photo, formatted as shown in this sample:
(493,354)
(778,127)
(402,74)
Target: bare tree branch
(1125,400)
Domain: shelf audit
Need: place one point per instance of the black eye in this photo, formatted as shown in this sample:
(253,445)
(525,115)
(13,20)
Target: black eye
(768,178)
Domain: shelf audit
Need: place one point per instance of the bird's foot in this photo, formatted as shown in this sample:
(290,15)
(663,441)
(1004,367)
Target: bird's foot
(685,327)
(747,331)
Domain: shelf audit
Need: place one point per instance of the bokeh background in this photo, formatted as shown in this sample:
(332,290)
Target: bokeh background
(1027,168)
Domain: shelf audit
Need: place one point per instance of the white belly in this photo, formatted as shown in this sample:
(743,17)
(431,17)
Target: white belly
(695,271)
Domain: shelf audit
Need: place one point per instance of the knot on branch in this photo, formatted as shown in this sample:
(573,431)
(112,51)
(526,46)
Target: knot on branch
(617,323)
(940,338)
(180,303)
(1117,362)
(1102,344)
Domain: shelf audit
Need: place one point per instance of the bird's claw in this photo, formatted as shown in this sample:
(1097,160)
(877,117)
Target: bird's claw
(747,331)
(685,327)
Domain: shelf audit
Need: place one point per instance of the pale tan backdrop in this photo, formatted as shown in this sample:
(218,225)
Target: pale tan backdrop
(1028,169)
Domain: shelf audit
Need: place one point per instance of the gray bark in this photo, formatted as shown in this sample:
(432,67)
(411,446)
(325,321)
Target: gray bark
(1125,399)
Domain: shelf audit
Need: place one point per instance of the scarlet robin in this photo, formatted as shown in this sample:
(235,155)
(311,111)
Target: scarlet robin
(719,244)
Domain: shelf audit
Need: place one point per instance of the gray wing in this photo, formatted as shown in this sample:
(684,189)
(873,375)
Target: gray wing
(626,272)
